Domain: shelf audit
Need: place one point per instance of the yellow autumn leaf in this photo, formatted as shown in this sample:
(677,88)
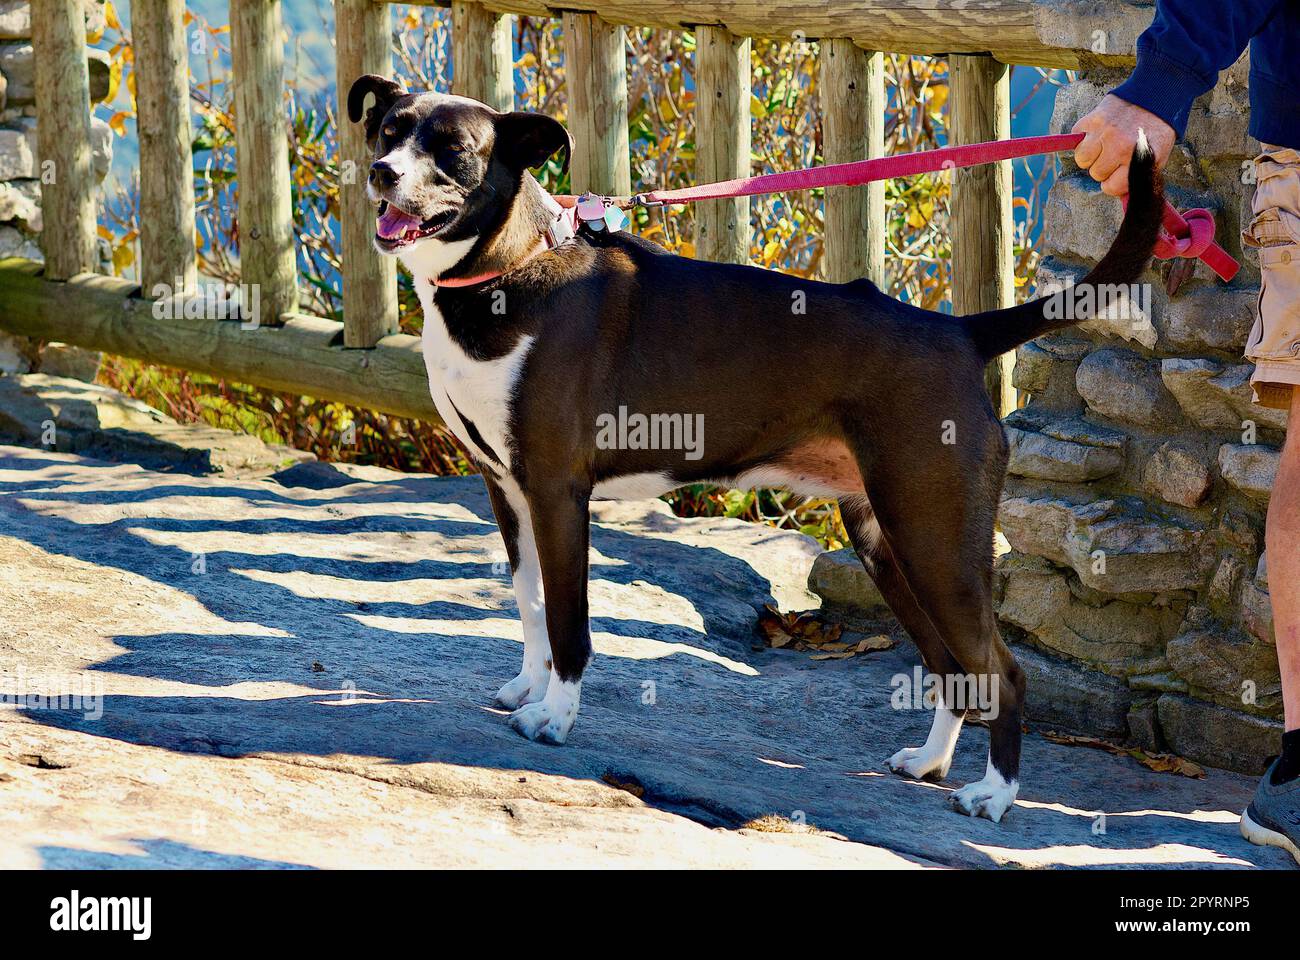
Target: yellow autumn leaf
(104,232)
(757,108)
(117,122)
(110,16)
(114,80)
(123,257)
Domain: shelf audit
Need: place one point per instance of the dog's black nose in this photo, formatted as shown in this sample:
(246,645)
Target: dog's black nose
(383,176)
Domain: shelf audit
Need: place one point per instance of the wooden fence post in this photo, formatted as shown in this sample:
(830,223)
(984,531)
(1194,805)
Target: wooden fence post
(63,137)
(853,128)
(369,280)
(980,95)
(167,248)
(722,141)
(266,241)
(482,61)
(595,68)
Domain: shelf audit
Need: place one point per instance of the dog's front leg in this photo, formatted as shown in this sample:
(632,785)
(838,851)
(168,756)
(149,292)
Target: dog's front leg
(515,522)
(560,522)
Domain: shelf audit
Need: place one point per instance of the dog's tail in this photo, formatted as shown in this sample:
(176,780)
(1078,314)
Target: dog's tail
(997,331)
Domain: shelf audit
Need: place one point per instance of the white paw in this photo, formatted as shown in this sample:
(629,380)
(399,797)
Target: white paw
(525,688)
(550,719)
(921,763)
(989,798)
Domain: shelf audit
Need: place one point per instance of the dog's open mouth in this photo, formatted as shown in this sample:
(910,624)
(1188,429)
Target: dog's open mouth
(395,228)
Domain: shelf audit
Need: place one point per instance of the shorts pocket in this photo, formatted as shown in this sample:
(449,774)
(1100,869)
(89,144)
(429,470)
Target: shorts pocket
(1276,334)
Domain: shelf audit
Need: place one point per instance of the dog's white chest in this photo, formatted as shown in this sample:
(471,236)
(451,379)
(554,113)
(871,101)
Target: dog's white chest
(472,396)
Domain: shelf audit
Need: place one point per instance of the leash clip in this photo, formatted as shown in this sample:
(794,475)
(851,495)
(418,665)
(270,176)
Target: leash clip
(644,200)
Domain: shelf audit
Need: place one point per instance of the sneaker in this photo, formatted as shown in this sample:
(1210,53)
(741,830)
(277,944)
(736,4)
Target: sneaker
(1273,817)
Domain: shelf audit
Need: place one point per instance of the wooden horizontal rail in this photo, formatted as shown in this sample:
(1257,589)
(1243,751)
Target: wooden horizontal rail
(1049,33)
(305,356)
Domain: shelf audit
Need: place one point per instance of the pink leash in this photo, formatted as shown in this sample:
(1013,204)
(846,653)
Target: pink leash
(1190,236)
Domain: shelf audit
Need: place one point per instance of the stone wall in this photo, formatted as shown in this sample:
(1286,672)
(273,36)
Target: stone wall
(1136,587)
(20,171)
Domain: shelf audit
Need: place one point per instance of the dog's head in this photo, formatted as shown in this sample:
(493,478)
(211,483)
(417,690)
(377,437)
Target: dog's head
(445,168)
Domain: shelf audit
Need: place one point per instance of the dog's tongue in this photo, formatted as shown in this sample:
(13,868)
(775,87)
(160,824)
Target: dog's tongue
(395,222)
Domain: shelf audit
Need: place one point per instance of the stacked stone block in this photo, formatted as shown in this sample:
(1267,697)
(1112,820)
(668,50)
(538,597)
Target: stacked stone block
(1136,587)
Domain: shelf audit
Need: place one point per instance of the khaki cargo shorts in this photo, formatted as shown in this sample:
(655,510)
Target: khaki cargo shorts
(1274,344)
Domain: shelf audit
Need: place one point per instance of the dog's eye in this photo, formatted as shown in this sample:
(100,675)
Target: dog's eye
(455,148)
(390,131)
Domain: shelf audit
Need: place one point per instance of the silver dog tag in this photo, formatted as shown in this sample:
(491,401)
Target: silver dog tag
(615,219)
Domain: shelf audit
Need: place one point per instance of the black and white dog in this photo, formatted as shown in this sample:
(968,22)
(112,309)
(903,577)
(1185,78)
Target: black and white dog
(529,342)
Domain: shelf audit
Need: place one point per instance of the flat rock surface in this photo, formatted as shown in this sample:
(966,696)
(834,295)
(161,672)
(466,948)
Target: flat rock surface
(301,676)
(70,415)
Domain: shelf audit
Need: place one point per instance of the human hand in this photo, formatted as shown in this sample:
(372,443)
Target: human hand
(1111,132)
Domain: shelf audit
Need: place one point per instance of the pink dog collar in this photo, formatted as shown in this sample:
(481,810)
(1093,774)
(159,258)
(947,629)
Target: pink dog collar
(564,227)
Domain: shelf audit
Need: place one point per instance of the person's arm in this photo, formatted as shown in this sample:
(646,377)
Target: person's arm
(1181,54)
(1178,58)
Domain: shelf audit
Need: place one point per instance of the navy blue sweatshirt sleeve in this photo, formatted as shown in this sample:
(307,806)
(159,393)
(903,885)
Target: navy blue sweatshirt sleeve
(1181,53)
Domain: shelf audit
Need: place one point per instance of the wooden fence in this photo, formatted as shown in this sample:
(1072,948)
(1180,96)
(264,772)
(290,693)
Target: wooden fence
(369,363)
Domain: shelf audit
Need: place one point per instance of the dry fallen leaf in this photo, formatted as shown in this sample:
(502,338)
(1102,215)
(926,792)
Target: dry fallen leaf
(879,642)
(1159,762)
(631,786)
(1168,763)
(808,632)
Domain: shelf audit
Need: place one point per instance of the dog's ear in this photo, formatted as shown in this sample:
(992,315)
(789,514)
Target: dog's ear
(386,92)
(527,140)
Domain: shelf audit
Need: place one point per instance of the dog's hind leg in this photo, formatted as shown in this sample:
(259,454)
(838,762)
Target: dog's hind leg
(931,760)
(936,505)
(516,525)
(560,524)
